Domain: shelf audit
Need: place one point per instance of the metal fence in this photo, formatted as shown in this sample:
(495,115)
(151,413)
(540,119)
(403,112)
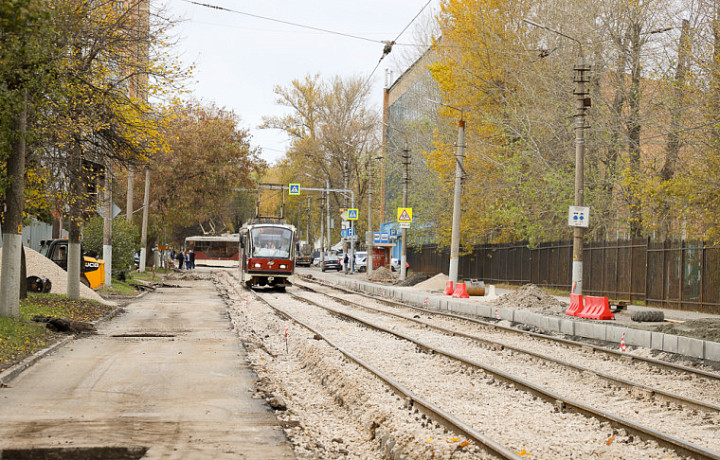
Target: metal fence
(683,275)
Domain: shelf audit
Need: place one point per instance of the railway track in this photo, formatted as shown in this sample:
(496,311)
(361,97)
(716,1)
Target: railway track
(460,363)
(691,385)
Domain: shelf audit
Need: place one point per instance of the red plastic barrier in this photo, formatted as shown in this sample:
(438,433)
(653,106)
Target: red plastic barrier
(596,308)
(448,288)
(576,305)
(460,291)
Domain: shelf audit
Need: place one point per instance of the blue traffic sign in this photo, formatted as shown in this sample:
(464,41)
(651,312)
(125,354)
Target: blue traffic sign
(294,189)
(352,214)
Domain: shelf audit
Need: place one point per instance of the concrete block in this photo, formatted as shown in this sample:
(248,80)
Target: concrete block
(670,343)
(712,351)
(614,333)
(638,338)
(657,340)
(584,329)
(552,323)
(521,316)
(691,347)
(484,310)
(567,326)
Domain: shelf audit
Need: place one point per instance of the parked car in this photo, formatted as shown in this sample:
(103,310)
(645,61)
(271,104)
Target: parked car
(331,262)
(361,261)
(395,264)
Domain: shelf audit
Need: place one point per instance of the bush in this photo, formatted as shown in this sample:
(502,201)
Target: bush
(125,241)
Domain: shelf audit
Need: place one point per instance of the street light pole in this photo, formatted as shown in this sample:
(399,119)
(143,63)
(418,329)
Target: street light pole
(457,203)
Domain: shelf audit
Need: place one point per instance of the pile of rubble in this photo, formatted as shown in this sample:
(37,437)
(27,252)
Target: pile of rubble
(531,297)
(383,274)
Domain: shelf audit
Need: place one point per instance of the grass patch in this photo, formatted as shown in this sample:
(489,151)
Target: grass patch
(22,337)
(118,288)
(148,275)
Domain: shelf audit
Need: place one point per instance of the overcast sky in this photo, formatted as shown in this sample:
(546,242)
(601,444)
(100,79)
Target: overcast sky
(241,58)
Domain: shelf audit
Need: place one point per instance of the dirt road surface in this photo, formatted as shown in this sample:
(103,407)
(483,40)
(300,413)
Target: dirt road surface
(169,376)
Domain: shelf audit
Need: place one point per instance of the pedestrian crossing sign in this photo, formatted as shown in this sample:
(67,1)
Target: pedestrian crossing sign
(294,189)
(352,214)
(404,215)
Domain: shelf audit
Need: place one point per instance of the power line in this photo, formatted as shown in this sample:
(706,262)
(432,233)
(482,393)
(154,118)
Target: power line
(294,24)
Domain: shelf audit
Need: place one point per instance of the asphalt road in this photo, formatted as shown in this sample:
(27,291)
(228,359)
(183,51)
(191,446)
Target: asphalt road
(168,375)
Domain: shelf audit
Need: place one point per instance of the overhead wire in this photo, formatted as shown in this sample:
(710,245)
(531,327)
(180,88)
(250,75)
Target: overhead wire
(280,21)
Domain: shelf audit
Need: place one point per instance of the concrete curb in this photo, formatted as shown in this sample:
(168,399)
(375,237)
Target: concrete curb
(687,346)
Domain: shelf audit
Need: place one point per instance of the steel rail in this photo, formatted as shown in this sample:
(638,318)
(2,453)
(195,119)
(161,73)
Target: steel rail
(494,345)
(426,407)
(570,343)
(566,404)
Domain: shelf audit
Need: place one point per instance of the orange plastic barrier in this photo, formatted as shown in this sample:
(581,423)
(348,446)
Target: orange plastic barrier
(460,291)
(448,288)
(576,305)
(596,308)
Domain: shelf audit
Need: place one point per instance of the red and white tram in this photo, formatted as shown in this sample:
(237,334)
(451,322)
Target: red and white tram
(267,254)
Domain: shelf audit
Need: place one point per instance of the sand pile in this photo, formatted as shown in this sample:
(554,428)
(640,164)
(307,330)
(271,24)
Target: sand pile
(530,297)
(436,283)
(39,265)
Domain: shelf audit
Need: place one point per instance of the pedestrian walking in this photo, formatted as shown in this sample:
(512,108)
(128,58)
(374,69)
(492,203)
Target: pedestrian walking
(191,253)
(180,257)
(345,261)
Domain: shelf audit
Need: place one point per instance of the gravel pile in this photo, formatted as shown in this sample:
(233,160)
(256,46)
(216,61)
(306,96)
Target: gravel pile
(531,297)
(39,265)
(383,274)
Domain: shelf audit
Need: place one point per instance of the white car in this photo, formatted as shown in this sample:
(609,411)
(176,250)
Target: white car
(361,261)
(395,264)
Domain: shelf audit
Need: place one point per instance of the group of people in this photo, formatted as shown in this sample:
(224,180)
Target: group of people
(183,258)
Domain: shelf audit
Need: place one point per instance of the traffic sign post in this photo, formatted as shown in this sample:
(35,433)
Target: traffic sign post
(294,189)
(404,215)
(352,214)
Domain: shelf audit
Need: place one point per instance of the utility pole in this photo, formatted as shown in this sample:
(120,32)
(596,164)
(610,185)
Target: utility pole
(129,207)
(327,197)
(322,228)
(457,202)
(371,240)
(307,228)
(146,208)
(107,225)
(582,102)
(406,181)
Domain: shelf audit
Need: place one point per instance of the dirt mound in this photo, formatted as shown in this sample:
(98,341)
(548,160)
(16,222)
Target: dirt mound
(39,265)
(531,297)
(382,274)
(413,279)
(703,329)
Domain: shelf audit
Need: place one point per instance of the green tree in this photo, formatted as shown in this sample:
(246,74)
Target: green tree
(126,241)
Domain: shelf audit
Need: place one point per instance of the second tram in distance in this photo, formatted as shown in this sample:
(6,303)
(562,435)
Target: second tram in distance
(267,254)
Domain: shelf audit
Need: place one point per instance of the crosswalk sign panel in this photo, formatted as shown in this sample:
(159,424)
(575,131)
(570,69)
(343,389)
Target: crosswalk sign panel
(404,214)
(294,189)
(352,214)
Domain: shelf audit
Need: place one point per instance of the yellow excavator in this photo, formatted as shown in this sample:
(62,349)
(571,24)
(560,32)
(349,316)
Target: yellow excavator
(92,269)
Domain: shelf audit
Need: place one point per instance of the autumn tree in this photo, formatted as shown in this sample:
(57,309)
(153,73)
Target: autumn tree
(209,157)
(332,131)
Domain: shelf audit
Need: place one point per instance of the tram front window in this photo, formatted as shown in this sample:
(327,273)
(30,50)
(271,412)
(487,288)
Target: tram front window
(272,242)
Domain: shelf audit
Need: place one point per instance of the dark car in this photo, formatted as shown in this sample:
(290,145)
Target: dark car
(331,262)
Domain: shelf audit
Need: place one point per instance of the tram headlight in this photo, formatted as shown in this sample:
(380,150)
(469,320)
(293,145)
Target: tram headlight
(257,265)
(283,266)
